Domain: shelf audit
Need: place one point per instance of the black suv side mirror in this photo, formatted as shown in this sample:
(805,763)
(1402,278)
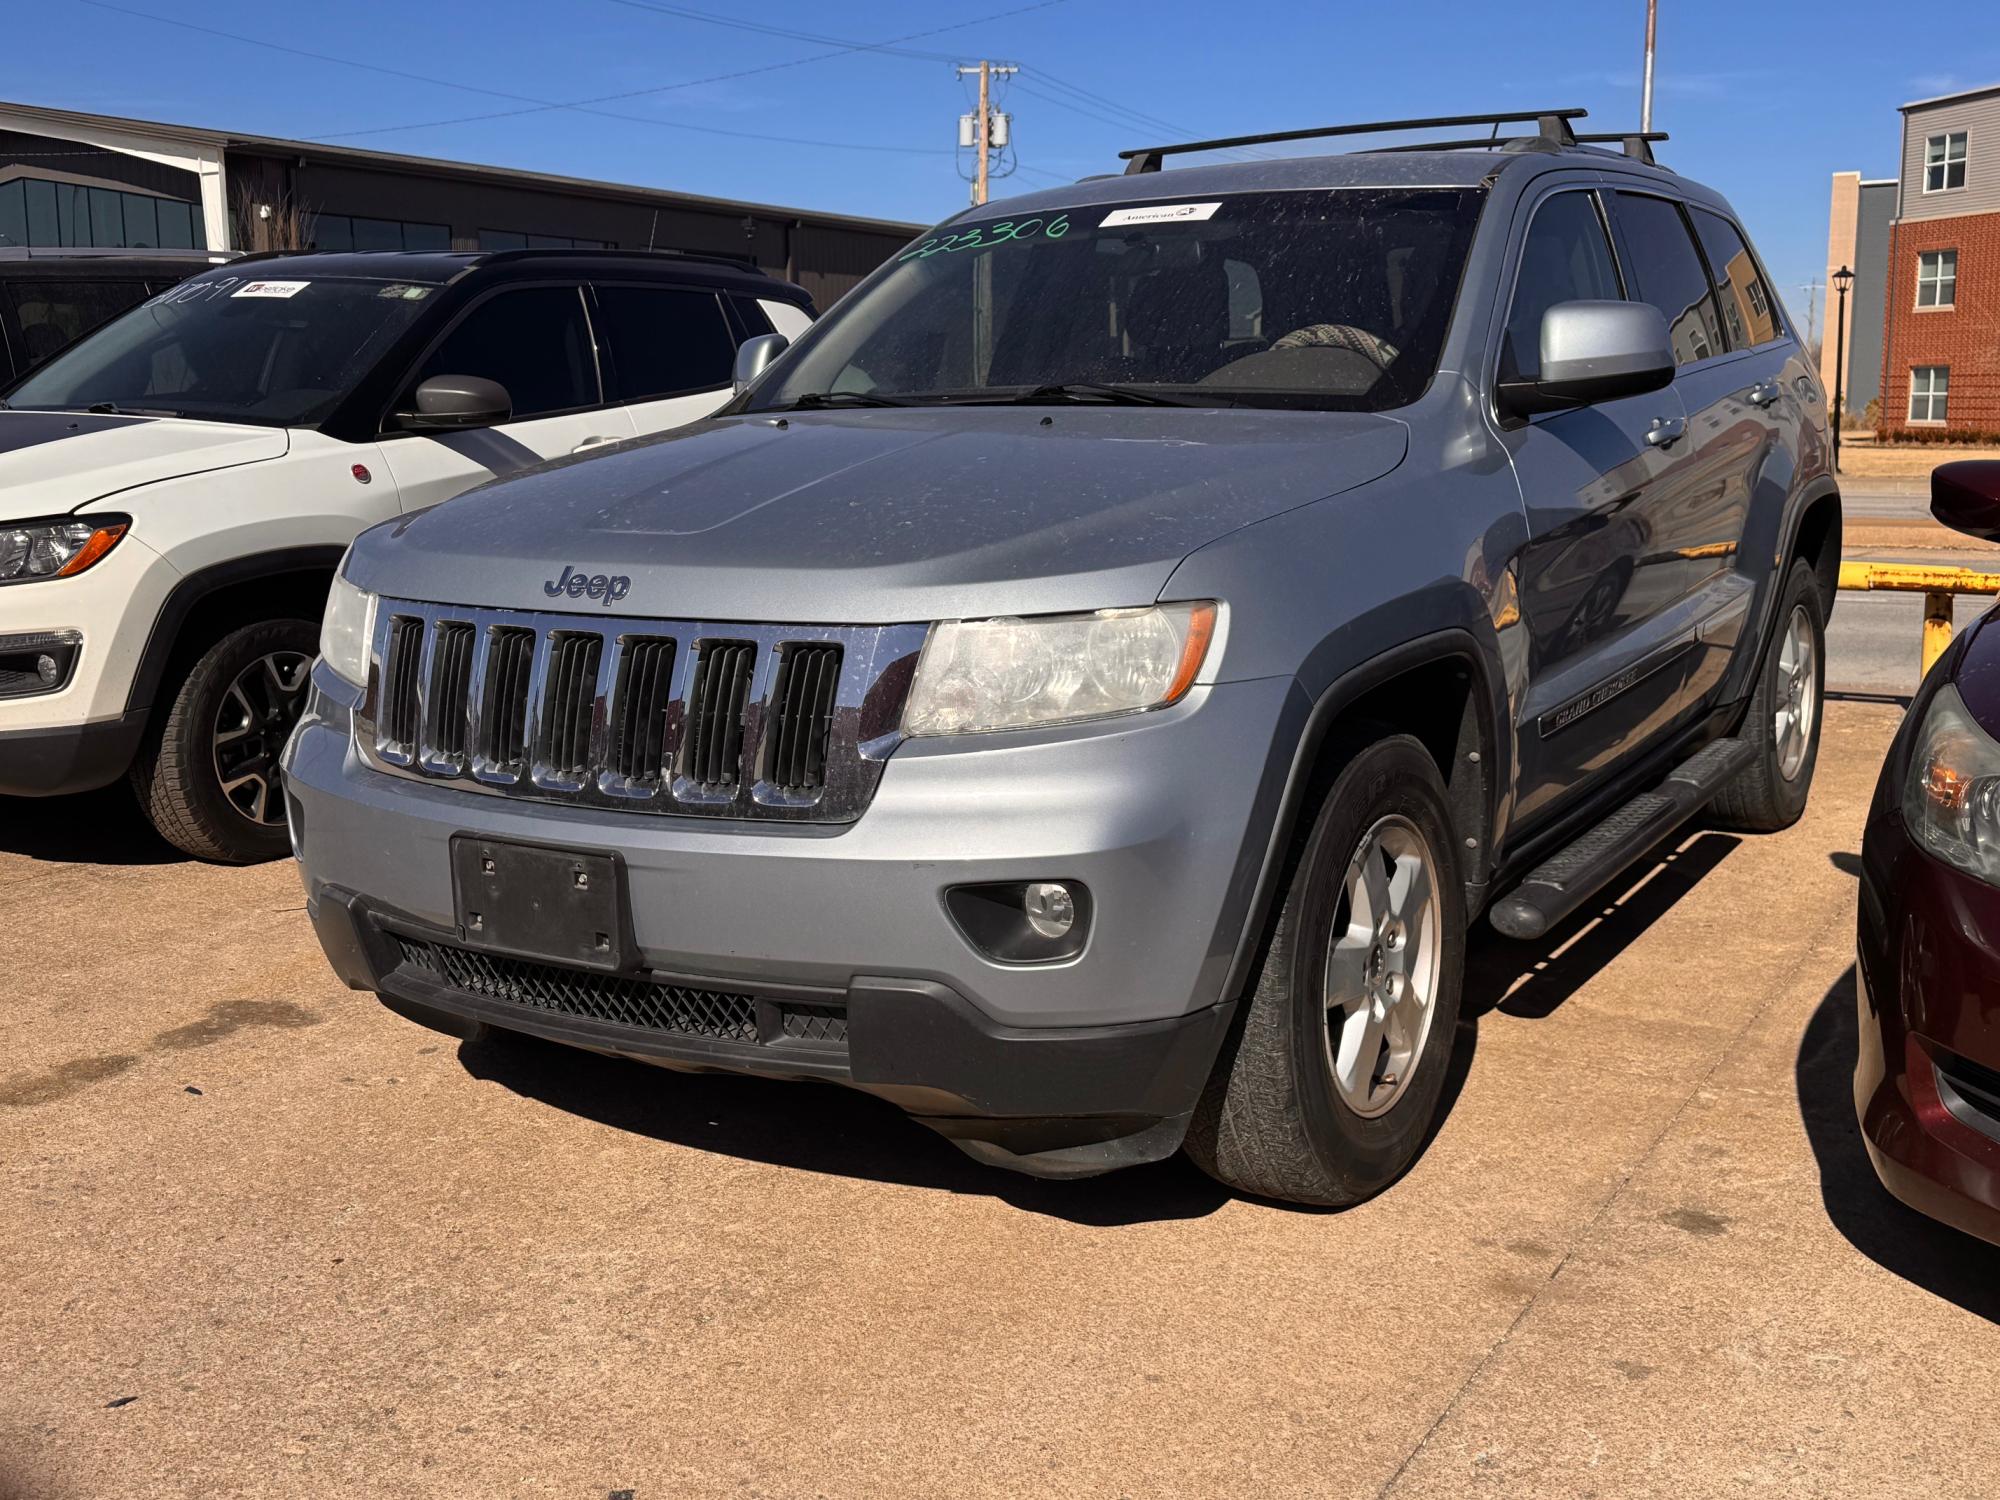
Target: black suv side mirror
(454,403)
(1591,352)
(755,356)
(1966,497)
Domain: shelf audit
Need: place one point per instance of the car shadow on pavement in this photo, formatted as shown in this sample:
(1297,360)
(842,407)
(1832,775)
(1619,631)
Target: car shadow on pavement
(1942,1260)
(100,828)
(1530,980)
(819,1127)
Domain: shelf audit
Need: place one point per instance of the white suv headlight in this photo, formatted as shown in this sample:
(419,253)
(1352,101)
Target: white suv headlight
(980,675)
(346,629)
(1951,802)
(59,547)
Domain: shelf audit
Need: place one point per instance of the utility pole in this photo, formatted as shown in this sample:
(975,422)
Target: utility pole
(1646,98)
(983,140)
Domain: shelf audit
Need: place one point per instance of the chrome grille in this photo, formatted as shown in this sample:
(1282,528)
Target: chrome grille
(659,716)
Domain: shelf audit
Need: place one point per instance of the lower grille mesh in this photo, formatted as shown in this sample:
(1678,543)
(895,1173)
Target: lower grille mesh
(575,992)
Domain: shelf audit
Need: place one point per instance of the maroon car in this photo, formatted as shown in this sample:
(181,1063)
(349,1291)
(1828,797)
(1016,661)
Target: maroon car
(1927,1081)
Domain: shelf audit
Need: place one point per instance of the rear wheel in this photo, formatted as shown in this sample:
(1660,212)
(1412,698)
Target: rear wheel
(1784,718)
(1328,1089)
(209,777)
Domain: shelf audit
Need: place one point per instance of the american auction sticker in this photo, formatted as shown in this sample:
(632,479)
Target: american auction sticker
(1159,213)
(270,289)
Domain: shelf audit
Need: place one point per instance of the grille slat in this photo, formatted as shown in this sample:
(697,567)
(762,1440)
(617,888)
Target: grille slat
(716,701)
(568,703)
(401,666)
(450,693)
(639,736)
(505,721)
(623,1000)
(802,701)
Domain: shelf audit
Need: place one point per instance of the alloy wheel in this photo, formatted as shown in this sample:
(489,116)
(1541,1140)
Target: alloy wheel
(1382,967)
(1798,694)
(256,717)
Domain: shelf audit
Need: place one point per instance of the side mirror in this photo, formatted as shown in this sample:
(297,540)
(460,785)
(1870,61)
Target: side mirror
(754,357)
(1966,497)
(455,403)
(1591,352)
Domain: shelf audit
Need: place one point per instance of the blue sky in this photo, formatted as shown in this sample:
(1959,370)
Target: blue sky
(1764,101)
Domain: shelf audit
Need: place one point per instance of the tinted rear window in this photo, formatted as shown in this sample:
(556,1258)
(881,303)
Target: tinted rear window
(1667,273)
(664,341)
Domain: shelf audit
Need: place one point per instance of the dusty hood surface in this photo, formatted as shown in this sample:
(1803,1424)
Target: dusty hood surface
(56,461)
(881,516)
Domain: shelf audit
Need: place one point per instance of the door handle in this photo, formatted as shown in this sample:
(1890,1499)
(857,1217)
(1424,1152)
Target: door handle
(1666,431)
(596,440)
(1765,393)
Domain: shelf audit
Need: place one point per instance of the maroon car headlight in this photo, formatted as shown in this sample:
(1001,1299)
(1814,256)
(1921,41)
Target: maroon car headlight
(1951,802)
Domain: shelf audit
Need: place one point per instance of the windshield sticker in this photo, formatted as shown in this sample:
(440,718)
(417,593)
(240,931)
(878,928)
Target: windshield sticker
(402,291)
(1160,213)
(270,289)
(986,236)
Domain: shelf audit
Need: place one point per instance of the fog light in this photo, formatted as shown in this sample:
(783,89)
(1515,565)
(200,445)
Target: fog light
(47,668)
(1050,907)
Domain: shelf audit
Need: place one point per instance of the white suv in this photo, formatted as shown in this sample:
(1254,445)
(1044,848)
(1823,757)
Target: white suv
(177,489)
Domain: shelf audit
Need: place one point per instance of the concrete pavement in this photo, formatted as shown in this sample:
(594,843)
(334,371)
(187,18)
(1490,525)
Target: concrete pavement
(260,1237)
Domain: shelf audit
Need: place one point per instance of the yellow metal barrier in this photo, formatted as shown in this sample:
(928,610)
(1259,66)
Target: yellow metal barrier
(1937,585)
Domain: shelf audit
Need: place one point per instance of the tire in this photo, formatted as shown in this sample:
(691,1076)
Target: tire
(1280,1117)
(226,722)
(1770,792)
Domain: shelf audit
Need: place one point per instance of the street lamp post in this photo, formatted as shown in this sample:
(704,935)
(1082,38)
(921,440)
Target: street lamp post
(1842,280)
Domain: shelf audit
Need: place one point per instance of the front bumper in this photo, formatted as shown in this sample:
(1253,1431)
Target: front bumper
(1076,1065)
(1927,971)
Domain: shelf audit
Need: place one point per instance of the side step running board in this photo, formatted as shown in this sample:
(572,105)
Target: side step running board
(1563,882)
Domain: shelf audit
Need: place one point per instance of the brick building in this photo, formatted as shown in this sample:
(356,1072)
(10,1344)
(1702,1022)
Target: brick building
(1941,332)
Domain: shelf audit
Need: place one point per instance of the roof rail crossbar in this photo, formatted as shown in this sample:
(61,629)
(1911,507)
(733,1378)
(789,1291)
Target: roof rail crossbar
(1637,144)
(1551,125)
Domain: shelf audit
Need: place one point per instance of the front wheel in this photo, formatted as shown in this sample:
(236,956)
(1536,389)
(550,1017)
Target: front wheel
(1329,1087)
(208,776)
(1784,718)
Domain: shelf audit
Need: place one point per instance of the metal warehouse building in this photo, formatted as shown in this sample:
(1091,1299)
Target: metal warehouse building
(69,179)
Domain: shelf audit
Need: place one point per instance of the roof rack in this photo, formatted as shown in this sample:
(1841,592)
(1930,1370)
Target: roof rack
(1551,125)
(1637,144)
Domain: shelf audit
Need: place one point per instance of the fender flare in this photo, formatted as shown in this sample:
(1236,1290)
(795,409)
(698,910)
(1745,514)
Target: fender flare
(1451,643)
(1737,686)
(199,585)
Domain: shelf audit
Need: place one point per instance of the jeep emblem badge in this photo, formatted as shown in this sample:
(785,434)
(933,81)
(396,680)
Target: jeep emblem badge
(588,585)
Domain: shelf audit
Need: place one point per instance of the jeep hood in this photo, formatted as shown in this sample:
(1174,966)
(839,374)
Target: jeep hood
(881,516)
(57,461)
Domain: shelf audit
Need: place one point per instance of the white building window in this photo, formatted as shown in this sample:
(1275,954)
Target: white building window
(1928,387)
(1937,278)
(1944,162)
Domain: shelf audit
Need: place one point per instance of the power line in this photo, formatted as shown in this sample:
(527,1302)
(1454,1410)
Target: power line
(688,13)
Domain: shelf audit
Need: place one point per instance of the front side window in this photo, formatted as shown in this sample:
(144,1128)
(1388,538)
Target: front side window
(1331,300)
(1929,385)
(664,342)
(1739,283)
(231,347)
(1937,278)
(1566,259)
(1944,162)
(1668,273)
(534,341)
(51,315)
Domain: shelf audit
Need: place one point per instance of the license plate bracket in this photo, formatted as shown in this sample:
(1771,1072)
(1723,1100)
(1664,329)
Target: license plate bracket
(540,901)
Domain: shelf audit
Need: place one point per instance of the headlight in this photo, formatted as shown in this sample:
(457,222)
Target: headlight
(1951,803)
(978,675)
(346,629)
(59,547)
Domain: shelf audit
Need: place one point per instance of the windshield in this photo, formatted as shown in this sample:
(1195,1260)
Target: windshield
(1335,300)
(232,348)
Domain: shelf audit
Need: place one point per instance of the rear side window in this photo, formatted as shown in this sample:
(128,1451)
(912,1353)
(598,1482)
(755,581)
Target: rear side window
(1747,305)
(1667,272)
(48,315)
(534,341)
(664,341)
(1566,259)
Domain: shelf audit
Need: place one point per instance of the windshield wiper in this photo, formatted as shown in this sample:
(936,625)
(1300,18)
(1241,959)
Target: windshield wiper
(113,409)
(814,400)
(1087,390)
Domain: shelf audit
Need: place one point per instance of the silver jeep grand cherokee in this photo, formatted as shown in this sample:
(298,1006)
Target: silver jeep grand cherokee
(1084,690)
